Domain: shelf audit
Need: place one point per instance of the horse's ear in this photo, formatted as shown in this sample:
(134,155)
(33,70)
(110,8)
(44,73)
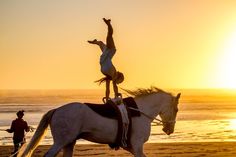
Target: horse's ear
(178,96)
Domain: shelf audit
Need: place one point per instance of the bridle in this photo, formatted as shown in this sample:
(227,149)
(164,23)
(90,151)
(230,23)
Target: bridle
(159,122)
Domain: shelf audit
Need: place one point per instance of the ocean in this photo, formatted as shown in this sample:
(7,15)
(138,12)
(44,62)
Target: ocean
(204,115)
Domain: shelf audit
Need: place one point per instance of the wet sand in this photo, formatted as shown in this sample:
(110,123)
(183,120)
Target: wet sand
(187,149)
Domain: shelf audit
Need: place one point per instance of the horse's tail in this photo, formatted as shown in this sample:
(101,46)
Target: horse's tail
(38,135)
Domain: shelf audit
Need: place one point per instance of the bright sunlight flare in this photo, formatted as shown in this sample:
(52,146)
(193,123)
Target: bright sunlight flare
(232,124)
(227,66)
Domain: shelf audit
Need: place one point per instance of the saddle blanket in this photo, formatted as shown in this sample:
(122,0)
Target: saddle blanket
(107,110)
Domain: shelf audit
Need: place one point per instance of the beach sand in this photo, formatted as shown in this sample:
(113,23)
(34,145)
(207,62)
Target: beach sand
(185,149)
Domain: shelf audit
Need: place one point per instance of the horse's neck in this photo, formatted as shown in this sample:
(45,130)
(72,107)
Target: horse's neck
(149,105)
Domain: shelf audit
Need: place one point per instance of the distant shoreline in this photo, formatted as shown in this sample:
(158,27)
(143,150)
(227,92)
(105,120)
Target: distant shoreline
(176,149)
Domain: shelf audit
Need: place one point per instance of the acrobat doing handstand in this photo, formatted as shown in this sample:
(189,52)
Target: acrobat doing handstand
(107,68)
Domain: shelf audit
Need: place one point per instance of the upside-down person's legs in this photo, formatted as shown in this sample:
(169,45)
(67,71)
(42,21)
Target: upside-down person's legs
(110,42)
(99,43)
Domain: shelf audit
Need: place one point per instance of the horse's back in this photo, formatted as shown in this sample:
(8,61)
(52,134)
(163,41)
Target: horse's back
(77,120)
(74,106)
(68,112)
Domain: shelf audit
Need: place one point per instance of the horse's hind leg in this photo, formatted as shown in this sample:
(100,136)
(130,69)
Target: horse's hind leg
(53,151)
(68,149)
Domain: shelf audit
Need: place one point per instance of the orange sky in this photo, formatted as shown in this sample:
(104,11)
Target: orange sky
(169,44)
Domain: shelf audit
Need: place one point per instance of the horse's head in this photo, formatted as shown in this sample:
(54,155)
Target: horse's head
(157,102)
(168,114)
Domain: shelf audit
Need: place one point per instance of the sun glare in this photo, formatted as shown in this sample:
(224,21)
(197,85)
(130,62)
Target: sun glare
(232,124)
(227,66)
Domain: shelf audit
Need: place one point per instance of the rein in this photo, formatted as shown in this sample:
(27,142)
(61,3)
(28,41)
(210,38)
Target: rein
(160,122)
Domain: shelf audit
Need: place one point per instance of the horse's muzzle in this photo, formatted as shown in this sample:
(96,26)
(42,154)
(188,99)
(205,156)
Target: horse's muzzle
(168,132)
(168,129)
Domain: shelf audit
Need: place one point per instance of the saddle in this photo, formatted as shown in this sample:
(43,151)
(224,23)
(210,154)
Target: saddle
(110,110)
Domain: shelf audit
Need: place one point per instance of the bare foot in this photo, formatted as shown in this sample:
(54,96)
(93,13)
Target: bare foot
(92,41)
(107,21)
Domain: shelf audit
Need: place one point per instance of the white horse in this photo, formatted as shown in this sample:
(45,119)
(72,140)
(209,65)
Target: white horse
(77,121)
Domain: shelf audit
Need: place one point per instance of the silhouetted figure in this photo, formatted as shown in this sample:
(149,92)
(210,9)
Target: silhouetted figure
(18,128)
(107,68)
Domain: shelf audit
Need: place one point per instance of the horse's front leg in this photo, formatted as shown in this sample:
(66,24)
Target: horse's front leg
(137,151)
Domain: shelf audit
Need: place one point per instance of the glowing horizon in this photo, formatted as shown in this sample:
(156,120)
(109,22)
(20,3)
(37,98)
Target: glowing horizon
(184,44)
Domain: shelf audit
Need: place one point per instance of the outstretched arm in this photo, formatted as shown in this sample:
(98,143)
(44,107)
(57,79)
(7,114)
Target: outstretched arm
(115,89)
(107,89)
(27,128)
(11,130)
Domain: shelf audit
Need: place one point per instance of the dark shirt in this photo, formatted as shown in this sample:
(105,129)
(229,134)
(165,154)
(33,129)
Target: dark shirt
(18,127)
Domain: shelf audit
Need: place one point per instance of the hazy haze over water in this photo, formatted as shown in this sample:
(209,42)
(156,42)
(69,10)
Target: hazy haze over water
(204,115)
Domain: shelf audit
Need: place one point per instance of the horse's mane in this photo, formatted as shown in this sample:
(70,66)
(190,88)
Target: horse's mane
(145,91)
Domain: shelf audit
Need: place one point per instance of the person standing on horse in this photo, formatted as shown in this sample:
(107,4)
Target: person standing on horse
(107,68)
(18,128)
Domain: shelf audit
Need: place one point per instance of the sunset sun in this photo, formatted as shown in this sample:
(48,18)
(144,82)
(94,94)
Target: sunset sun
(227,66)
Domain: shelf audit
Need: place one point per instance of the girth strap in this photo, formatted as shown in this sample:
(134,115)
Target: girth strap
(110,110)
(117,143)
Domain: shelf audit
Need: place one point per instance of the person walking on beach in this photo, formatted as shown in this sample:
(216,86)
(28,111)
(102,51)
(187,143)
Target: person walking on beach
(107,68)
(18,128)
